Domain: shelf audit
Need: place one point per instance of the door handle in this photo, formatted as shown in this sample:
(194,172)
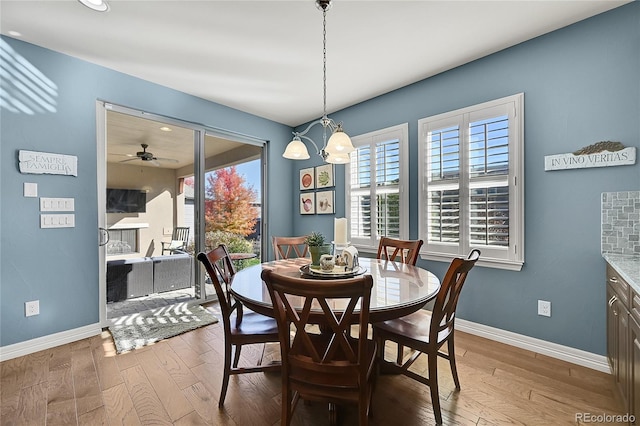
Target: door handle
(103,237)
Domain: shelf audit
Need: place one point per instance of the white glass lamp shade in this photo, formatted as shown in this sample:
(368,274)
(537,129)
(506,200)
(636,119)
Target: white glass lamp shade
(339,143)
(296,150)
(97,5)
(338,158)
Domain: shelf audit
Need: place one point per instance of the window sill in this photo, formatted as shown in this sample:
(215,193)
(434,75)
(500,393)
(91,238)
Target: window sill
(484,262)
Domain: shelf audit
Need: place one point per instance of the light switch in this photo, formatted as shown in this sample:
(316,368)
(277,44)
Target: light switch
(30,189)
(57,204)
(57,221)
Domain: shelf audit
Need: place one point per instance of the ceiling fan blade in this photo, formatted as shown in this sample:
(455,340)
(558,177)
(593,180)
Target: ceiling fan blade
(171,160)
(130,159)
(154,162)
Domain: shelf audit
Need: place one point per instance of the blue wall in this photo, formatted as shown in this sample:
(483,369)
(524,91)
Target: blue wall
(59,267)
(581,85)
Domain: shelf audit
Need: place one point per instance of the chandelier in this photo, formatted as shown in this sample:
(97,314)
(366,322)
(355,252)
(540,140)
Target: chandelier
(339,146)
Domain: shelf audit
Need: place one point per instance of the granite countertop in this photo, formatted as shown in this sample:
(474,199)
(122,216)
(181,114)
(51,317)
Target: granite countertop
(627,266)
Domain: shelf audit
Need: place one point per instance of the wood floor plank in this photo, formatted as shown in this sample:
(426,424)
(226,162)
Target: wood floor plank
(185,352)
(174,403)
(104,356)
(176,367)
(146,402)
(119,406)
(61,404)
(32,408)
(206,405)
(191,419)
(195,341)
(126,360)
(11,380)
(37,368)
(85,380)
(96,417)
(60,357)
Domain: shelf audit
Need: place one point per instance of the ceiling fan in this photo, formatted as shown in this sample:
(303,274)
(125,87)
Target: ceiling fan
(145,155)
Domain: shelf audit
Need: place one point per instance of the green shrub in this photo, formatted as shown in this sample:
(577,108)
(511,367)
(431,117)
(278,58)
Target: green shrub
(235,243)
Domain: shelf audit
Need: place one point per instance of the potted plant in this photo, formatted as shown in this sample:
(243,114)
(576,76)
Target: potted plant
(317,247)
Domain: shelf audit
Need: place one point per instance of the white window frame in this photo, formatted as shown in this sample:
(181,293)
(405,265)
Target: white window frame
(400,132)
(511,257)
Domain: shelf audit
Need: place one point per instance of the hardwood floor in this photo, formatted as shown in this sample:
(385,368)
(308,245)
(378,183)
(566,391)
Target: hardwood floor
(177,382)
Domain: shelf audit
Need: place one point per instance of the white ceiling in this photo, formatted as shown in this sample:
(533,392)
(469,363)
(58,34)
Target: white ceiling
(265,57)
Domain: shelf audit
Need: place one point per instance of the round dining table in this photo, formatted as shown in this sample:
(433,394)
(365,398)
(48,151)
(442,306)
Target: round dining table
(398,289)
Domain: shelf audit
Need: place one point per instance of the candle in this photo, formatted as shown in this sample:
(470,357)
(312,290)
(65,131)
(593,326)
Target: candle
(340,230)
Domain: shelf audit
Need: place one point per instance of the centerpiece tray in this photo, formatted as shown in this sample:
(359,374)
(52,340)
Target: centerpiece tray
(337,272)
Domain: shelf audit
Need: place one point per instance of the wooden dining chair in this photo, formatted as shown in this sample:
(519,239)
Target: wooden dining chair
(329,365)
(426,332)
(289,247)
(406,251)
(240,327)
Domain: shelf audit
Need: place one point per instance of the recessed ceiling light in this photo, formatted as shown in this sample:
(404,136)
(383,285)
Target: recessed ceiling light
(165,129)
(97,5)
(14,33)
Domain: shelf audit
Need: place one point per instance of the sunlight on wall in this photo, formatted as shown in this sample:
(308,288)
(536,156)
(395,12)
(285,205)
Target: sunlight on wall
(23,88)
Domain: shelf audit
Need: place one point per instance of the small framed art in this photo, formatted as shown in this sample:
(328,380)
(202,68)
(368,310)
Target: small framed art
(308,203)
(324,202)
(324,176)
(307,179)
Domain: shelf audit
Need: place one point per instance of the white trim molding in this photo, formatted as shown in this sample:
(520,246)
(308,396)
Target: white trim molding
(46,342)
(554,350)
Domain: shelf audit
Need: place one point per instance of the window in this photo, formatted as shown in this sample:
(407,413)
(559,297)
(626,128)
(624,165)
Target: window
(472,196)
(376,200)
(122,241)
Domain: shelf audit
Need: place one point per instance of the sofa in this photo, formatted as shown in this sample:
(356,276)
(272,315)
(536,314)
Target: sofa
(129,278)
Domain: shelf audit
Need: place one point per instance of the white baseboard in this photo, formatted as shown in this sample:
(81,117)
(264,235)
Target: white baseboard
(50,341)
(554,350)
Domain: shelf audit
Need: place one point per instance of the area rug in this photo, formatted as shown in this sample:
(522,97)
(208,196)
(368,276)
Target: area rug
(144,328)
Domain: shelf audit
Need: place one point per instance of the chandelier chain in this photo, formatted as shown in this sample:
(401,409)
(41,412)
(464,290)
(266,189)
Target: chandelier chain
(324,60)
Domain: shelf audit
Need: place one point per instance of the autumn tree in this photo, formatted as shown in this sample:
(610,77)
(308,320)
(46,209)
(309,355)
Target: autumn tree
(229,203)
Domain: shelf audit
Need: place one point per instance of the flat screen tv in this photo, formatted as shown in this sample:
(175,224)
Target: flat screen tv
(126,201)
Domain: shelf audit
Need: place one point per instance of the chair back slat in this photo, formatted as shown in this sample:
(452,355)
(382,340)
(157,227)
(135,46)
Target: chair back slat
(181,233)
(220,269)
(333,349)
(289,247)
(444,308)
(405,251)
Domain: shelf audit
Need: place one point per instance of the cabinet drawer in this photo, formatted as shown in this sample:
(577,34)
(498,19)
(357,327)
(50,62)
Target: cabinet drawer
(620,286)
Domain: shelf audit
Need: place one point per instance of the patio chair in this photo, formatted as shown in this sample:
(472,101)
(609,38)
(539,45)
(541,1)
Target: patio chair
(179,240)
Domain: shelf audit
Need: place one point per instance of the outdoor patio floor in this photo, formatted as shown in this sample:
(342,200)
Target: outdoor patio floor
(153,301)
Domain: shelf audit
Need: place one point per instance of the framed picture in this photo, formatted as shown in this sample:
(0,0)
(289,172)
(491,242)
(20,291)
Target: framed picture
(324,202)
(307,179)
(324,176)
(308,203)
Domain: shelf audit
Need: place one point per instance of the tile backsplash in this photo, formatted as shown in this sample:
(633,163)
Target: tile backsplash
(621,222)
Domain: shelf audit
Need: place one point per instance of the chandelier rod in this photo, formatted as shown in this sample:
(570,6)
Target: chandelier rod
(324,61)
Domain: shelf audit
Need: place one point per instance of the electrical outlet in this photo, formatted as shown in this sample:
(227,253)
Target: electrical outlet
(544,308)
(32,308)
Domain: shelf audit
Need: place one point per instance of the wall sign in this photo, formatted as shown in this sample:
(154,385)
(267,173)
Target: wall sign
(38,163)
(601,154)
